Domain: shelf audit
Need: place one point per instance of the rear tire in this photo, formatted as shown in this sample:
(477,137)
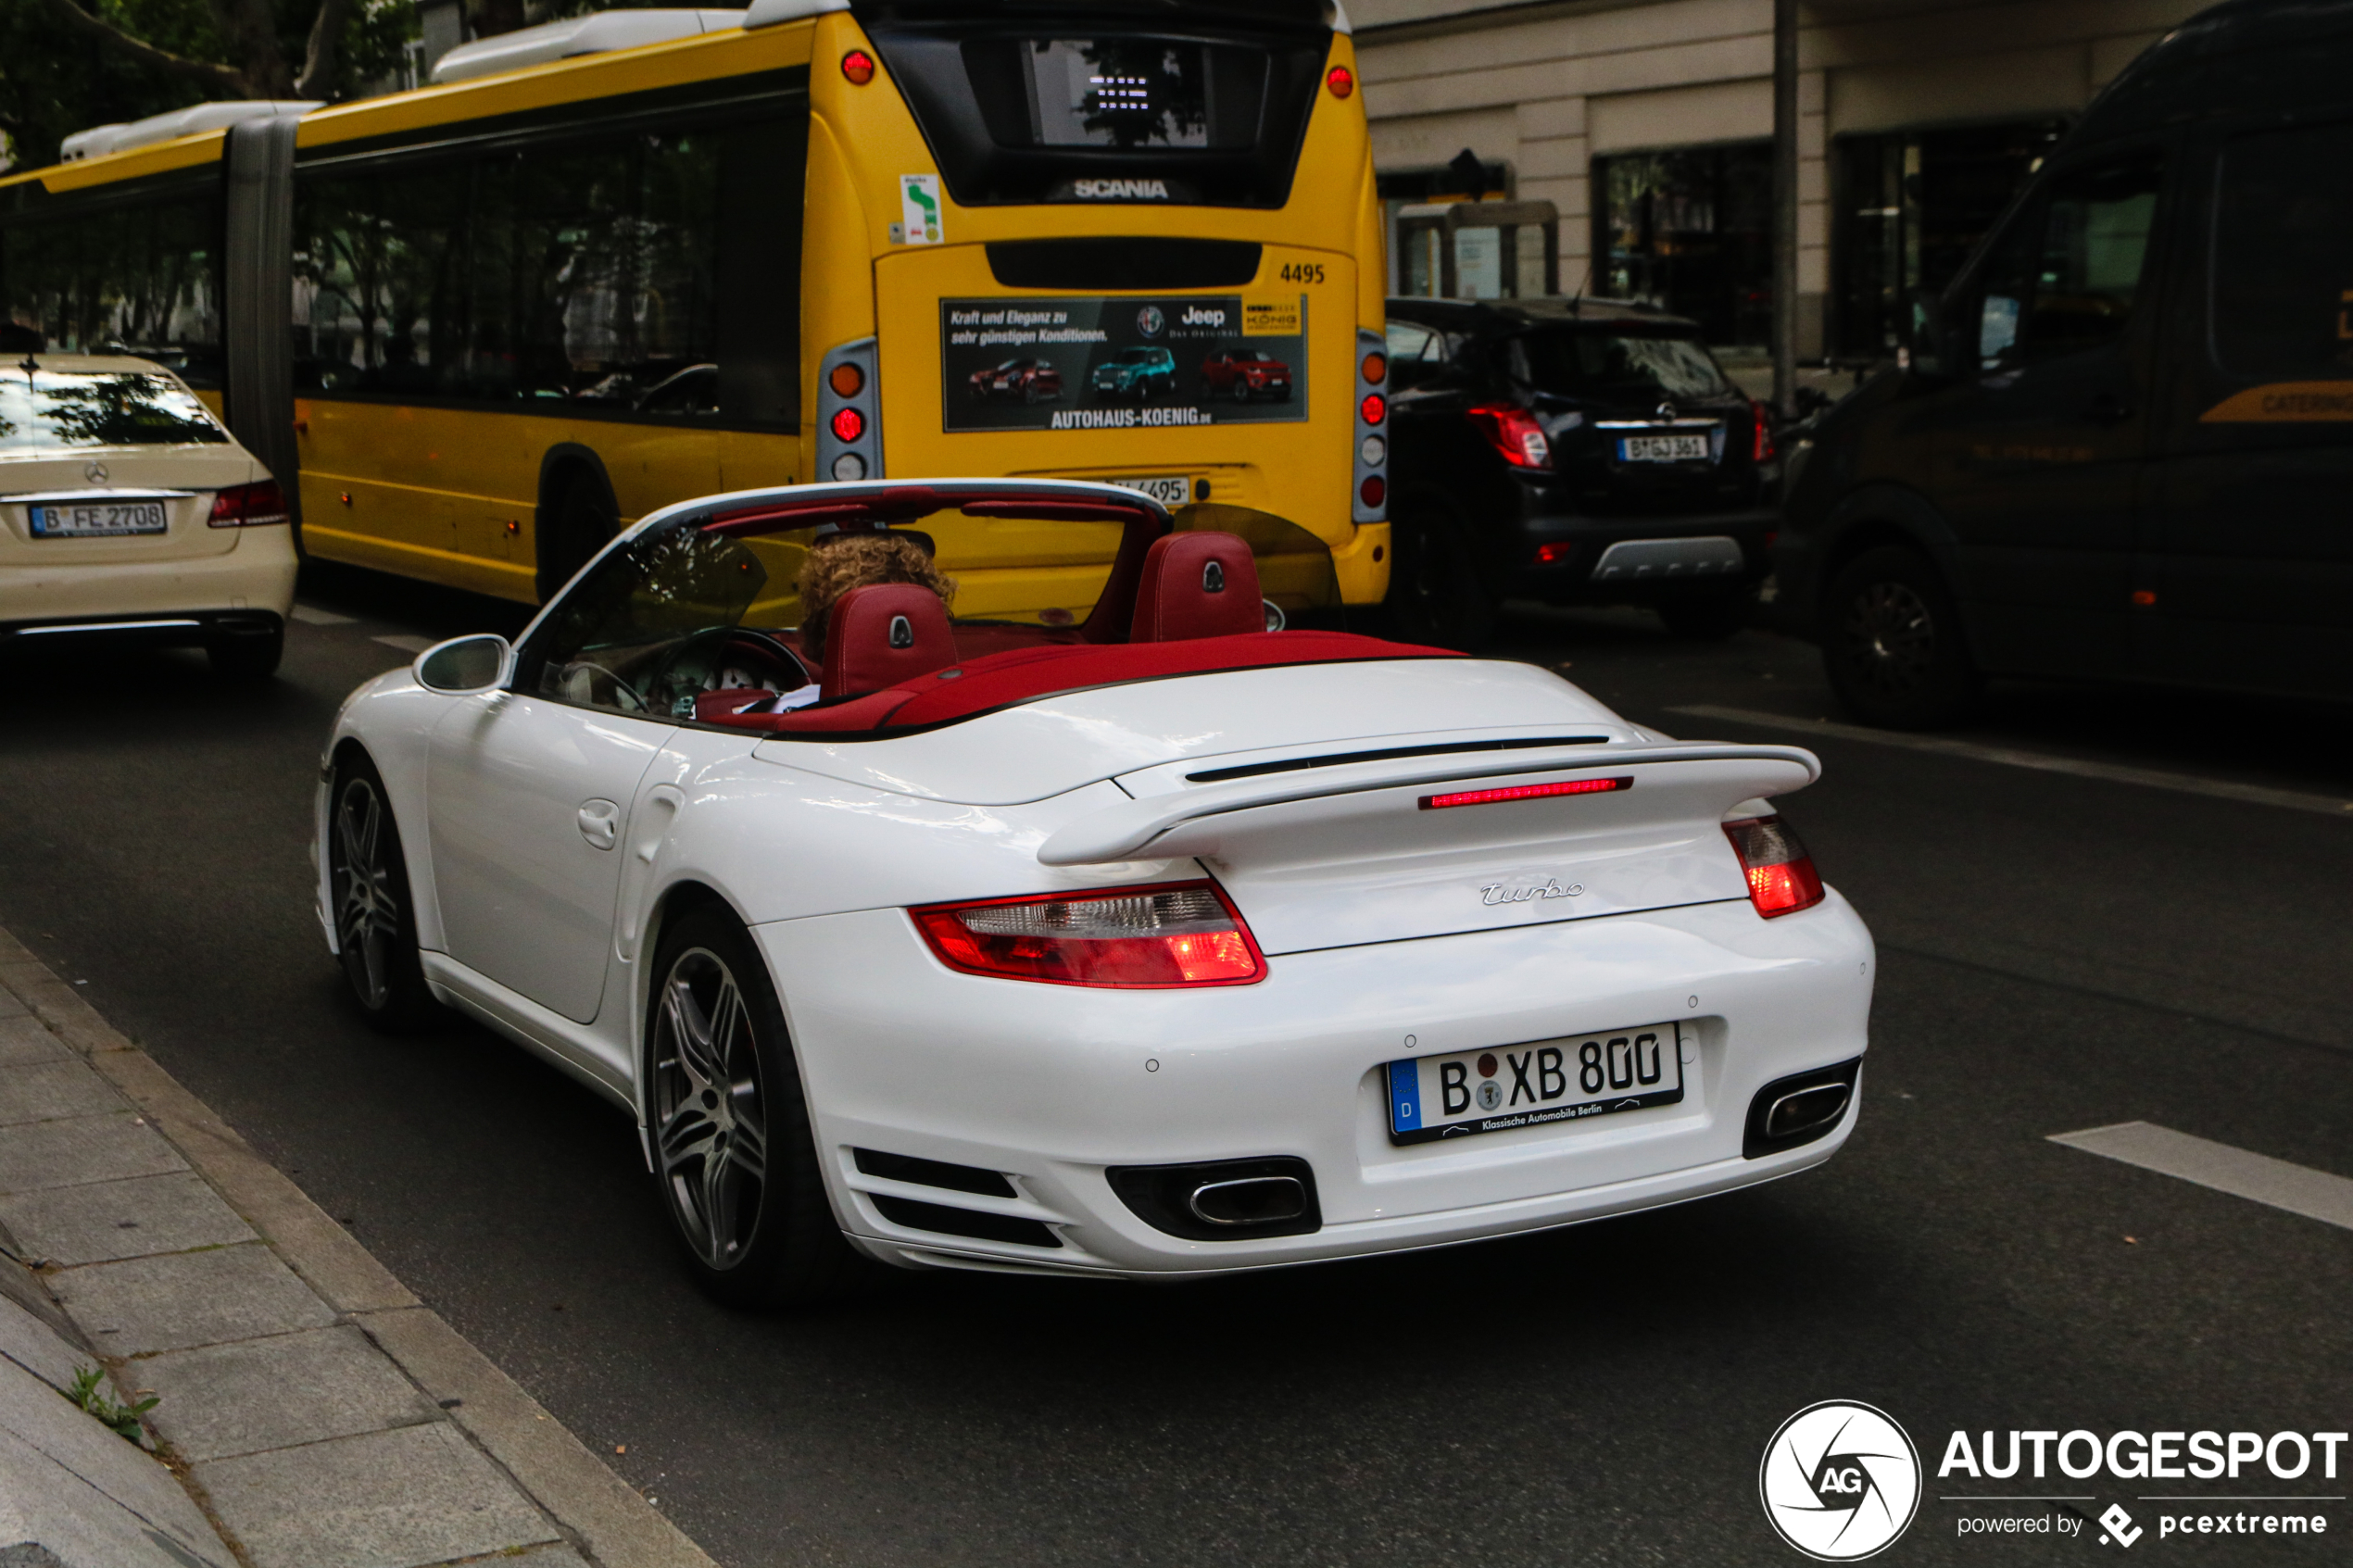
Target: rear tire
(1891,643)
(1435,594)
(581,523)
(734,1154)
(368,889)
(1708,615)
(251,658)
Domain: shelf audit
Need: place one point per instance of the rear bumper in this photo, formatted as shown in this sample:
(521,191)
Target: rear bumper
(1577,542)
(247,590)
(1052,1085)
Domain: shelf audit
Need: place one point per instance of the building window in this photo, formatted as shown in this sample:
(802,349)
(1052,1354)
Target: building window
(1691,231)
(1912,205)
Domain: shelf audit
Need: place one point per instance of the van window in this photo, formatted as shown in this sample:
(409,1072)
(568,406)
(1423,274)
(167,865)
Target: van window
(2064,278)
(2283,256)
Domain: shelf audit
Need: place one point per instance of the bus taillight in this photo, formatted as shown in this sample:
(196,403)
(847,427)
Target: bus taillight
(1371,439)
(848,414)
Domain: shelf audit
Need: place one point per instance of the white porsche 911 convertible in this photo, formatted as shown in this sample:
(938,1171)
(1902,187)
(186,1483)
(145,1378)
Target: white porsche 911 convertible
(1126,936)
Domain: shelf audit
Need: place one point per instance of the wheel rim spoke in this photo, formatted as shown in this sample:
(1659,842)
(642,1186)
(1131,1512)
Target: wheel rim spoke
(710,1130)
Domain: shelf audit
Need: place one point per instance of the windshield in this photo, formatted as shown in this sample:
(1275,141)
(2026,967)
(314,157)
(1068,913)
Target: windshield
(1582,362)
(49,410)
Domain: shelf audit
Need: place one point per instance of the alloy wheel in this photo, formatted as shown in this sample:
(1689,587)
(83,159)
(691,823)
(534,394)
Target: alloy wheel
(709,1116)
(1891,639)
(367,906)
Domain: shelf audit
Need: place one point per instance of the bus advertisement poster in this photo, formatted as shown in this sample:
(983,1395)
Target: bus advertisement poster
(1122,364)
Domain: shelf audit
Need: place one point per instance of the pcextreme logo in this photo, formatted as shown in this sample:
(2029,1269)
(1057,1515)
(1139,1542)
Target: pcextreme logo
(1840,1481)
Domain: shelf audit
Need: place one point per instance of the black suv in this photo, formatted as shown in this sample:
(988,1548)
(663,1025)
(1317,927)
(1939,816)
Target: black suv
(1571,451)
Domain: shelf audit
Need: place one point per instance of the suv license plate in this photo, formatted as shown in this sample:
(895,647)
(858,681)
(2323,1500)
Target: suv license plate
(1169,490)
(1532,1085)
(99,520)
(1663,449)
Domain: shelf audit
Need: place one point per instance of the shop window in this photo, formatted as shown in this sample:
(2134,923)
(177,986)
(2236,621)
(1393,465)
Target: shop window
(1691,231)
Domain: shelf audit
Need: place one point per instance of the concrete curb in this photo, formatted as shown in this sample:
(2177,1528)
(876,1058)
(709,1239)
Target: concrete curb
(299,1279)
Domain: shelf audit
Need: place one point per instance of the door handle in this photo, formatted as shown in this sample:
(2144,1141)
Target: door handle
(2107,408)
(600,823)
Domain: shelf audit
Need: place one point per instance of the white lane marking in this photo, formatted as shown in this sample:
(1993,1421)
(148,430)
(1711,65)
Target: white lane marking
(310,616)
(2300,1189)
(406,642)
(2041,761)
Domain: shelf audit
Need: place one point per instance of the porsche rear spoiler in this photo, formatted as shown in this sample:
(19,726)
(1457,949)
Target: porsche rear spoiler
(1198,819)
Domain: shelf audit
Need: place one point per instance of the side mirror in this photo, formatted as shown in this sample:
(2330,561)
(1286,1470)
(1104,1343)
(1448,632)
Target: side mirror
(465,665)
(1932,348)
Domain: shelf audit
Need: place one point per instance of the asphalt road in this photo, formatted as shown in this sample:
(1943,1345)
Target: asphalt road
(2059,952)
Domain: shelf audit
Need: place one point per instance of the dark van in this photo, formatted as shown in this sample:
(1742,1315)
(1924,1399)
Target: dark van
(2122,444)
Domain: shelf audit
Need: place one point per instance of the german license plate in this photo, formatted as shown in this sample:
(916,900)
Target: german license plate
(99,520)
(1169,490)
(1535,1084)
(1663,449)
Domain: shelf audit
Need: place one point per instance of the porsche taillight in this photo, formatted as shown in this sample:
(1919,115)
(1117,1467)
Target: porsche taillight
(1182,933)
(1781,878)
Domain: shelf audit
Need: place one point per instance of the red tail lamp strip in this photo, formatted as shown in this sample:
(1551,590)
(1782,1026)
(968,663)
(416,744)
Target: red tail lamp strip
(1526,792)
(1158,938)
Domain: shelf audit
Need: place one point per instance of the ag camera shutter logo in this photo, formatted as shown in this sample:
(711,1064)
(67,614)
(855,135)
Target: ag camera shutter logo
(1840,1481)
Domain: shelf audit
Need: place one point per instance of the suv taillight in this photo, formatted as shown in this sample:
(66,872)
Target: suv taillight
(1180,934)
(249,506)
(1513,431)
(1781,878)
(1763,449)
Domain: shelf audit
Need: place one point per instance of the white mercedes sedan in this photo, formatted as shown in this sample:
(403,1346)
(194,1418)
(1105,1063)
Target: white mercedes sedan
(1116,937)
(128,515)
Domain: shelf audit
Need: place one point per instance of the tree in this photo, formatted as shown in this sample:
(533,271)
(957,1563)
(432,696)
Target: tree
(65,65)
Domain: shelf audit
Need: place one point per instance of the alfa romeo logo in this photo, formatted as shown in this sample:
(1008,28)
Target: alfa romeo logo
(1840,1480)
(1149,320)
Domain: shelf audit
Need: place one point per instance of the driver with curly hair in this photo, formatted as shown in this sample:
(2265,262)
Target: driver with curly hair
(839,562)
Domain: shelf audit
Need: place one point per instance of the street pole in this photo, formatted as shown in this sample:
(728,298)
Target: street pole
(1785,207)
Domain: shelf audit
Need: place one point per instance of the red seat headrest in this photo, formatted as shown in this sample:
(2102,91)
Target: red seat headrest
(881,635)
(1197,585)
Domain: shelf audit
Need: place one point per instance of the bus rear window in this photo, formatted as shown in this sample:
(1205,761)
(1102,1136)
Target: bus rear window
(1571,362)
(51,410)
(1019,106)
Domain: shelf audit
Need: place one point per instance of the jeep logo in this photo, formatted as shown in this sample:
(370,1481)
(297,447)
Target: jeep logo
(1195,316)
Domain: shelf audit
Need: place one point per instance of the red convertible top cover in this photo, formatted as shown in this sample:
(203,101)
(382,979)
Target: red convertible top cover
(1000,680)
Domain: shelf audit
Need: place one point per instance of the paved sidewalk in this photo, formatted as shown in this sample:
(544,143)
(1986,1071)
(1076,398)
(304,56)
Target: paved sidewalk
(316,1412)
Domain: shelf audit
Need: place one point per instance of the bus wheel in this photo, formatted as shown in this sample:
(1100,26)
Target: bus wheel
(582,522)
(1891,643)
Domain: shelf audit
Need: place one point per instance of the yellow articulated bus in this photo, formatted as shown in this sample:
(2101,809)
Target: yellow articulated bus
(610,263)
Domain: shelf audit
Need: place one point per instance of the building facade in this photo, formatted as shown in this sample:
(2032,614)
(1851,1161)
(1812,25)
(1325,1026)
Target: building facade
(1649,123)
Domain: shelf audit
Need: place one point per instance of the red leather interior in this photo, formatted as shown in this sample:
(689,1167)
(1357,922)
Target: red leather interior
(1001,680)
(1197,585)
(725,703)
(882,636)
